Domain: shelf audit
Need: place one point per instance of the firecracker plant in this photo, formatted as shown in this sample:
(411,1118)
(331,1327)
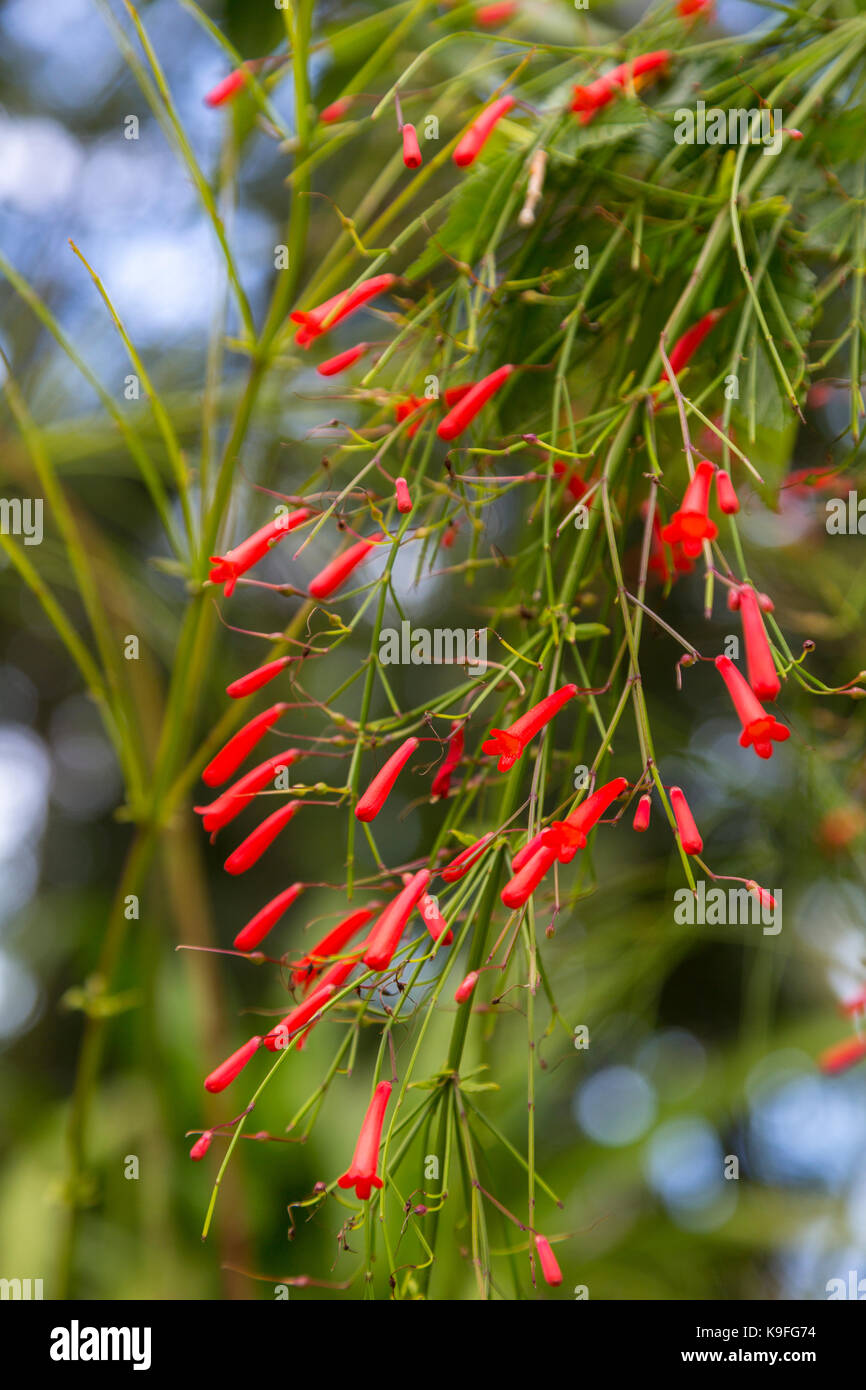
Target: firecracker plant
(550,341)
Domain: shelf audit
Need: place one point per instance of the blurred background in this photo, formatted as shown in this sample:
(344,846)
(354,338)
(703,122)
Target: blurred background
(703,1038)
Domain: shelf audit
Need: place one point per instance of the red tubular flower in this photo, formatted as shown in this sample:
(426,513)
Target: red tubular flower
(476,137)
(465,988)
(433,919)
(338,973)
(642,814)
(842,1055)
(403,496)
(510,743)
(336,111)
(232,1067)
(233,800)
(550,1270)
(764,896)
(374,798)
(413,406)
(530,849)
(254,680)
(463,413)
(524,883)
(464,861)
(442,780)
(229,87)
(567,836)
(665,561)
(411,148)
(308,967)
(688,8)
(258,927)
(228,568)
(760,729)
(490,15)
(280,1036)
(335,365)
(685,347)
(314,322)
(763,677)
(328,580)
(729,502)
(230,757)
(250,850)
(691,523)
(688,832)
(391,923)
(361,1173)
(201,1146)
(590,99)
(332,981)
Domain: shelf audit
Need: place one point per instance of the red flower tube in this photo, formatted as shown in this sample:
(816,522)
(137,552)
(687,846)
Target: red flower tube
(642,814)
(686,346)
(550,1270)
(729,502)
(490,15)
(411,148)
(691,523)
(233,800)
(510,743)
(338,973)
(842,1055)
(469,148)
(335,365)
(391,923)
(689,8)
(308,967)
(336,111)
(250,850)
(688,832)
(403,496)
(361,1173)
(567,836)
(374,798)
(665,561)
(333,980)
(254,680)
(258,927)
(463,413)
(201,1145)
(763,677)
(442,781)
(229,87)
(464,861)
(315,322)
(760,729)
(232,1067)
(228,568)
(466,987)
(328,580)
(433,919)
(523,884)
(413,406)
(590,99)
(764,896)
(230,757)
(529,850)
(280,1036)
